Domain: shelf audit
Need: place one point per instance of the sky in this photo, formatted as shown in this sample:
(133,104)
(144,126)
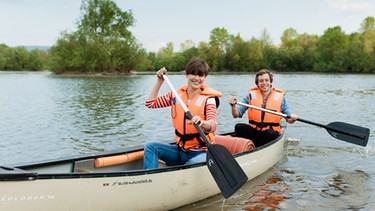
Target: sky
(40,22)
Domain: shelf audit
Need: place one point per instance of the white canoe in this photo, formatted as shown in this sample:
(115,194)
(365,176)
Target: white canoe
(101,182)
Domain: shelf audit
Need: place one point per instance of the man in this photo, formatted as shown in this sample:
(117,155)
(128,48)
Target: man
(263,127)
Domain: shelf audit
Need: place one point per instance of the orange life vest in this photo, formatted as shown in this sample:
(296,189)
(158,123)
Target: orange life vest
(261,120)
(186,135)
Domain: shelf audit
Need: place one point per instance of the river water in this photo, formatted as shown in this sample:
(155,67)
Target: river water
(43,116)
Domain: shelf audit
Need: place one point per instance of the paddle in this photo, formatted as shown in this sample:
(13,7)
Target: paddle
(227,173)
(340,130)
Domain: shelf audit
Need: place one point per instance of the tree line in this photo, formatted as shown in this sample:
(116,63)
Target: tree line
(104,44)
(19,58)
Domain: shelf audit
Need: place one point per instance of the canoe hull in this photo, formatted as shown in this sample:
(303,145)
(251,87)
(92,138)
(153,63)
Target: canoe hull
(156,190)
(143,192)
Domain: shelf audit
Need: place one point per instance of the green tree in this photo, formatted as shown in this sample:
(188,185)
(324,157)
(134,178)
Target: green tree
(65,56)
(219,37)
(167,52)
(358,60)
(187,45)
(19,58)
(3,59)
(237,54)
(219,40)
(102,42)
(368,33)
(308,43)
(292,53)
(204,51)
(152,58)
(289,51)
(269,57)
(265,39)
(266,47)
(289,38)
(37,59)
(244,56)
(331,51)
(16,58)
(190,53)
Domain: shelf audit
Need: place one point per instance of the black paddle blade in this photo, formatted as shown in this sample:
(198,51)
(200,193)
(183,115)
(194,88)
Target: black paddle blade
(227,173)
(350,133)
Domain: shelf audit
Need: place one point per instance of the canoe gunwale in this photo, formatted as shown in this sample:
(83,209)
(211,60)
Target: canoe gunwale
(17,172)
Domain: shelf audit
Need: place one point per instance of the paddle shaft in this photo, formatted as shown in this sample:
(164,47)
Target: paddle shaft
(299,119)
(284,115)
(361,136)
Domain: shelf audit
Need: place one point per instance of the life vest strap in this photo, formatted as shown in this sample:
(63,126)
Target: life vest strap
(188,137)
(261,125)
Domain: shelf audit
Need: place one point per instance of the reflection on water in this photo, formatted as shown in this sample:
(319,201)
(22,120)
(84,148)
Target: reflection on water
(94,109)
(100,108)
(268,197)
(331,191)
(44,116)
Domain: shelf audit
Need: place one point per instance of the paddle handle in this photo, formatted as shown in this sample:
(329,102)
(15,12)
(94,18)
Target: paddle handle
(189,115)
(175,93)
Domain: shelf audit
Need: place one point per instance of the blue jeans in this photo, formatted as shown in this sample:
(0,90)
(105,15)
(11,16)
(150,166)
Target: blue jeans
(171,154)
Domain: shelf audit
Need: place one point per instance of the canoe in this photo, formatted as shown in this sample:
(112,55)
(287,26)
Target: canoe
(115,180)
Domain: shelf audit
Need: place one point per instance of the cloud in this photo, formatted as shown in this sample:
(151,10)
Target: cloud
(351,6)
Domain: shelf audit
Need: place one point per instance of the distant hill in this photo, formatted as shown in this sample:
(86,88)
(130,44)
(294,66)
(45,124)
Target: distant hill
(32,47)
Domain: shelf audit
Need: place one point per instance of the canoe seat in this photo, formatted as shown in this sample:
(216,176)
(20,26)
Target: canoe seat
(234,145)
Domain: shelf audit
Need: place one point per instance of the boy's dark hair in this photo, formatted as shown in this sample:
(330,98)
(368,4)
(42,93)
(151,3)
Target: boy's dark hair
(197,66)
(262,72)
